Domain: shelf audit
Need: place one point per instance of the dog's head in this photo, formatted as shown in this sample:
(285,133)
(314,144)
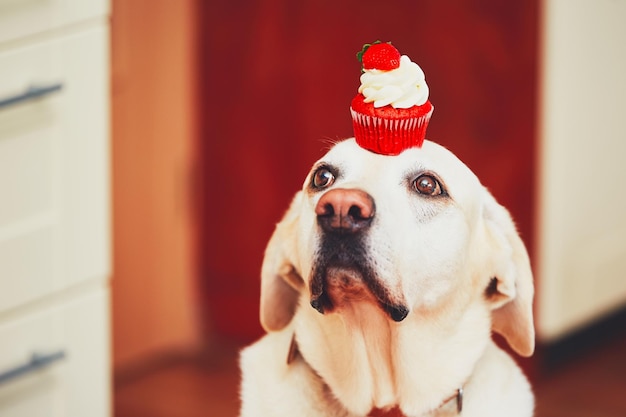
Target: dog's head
(412,234)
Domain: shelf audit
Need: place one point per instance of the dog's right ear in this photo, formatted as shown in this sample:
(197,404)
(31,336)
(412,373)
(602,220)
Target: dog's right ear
(280,281)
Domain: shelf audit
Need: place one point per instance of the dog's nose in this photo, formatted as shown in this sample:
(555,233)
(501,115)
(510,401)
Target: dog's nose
(345,211)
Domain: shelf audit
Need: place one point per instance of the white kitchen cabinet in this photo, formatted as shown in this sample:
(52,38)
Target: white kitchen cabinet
(582,203)
(21,19)
(54,208)
(68,334)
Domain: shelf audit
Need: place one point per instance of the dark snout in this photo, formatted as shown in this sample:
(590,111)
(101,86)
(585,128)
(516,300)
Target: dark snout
(345,211)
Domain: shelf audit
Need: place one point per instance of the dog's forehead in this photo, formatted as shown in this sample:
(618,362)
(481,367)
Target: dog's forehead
(430,157)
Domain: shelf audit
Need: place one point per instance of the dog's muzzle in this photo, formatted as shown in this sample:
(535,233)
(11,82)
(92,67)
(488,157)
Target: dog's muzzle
(342,270)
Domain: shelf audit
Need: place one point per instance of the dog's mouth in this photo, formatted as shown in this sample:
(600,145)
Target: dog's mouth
(343,276)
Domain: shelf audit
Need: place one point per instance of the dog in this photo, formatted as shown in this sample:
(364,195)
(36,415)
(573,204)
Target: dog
(380,289)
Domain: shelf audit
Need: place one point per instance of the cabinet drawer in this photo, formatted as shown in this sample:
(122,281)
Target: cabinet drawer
(75,383)
(19,18)
(54,166)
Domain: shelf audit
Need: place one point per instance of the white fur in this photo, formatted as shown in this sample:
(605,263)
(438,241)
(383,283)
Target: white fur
(435,255)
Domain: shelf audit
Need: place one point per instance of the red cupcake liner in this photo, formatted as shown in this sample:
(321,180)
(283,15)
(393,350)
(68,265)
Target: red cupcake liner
(389,136)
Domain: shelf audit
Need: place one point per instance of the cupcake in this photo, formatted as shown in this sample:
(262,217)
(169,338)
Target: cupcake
(391,111)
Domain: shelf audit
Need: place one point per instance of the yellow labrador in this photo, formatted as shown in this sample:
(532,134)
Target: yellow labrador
(380,288)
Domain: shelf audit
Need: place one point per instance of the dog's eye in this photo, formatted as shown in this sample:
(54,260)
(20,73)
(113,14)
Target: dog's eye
(427,185)
(323,178)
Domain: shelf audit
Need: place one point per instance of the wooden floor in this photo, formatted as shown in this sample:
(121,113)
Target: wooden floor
(589,385)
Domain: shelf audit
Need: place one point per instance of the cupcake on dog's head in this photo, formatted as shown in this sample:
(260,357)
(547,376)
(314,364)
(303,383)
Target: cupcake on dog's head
(391,111)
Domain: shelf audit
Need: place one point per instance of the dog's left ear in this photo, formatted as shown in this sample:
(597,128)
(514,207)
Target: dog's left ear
(280,282)
(511,288)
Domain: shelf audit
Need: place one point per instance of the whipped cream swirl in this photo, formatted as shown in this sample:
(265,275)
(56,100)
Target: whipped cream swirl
(402,87)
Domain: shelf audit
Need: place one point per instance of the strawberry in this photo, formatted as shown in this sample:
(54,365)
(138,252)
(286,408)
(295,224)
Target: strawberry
(380,56)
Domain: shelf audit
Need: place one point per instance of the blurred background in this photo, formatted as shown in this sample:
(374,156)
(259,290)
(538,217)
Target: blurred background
(147,149)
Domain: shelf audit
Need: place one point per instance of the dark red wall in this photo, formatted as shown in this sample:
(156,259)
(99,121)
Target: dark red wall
(277,77)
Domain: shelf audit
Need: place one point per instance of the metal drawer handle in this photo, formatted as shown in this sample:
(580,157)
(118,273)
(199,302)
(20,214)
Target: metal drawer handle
(31,93)
(36,362)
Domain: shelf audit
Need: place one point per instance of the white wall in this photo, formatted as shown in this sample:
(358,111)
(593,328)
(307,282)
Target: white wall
(582,209)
